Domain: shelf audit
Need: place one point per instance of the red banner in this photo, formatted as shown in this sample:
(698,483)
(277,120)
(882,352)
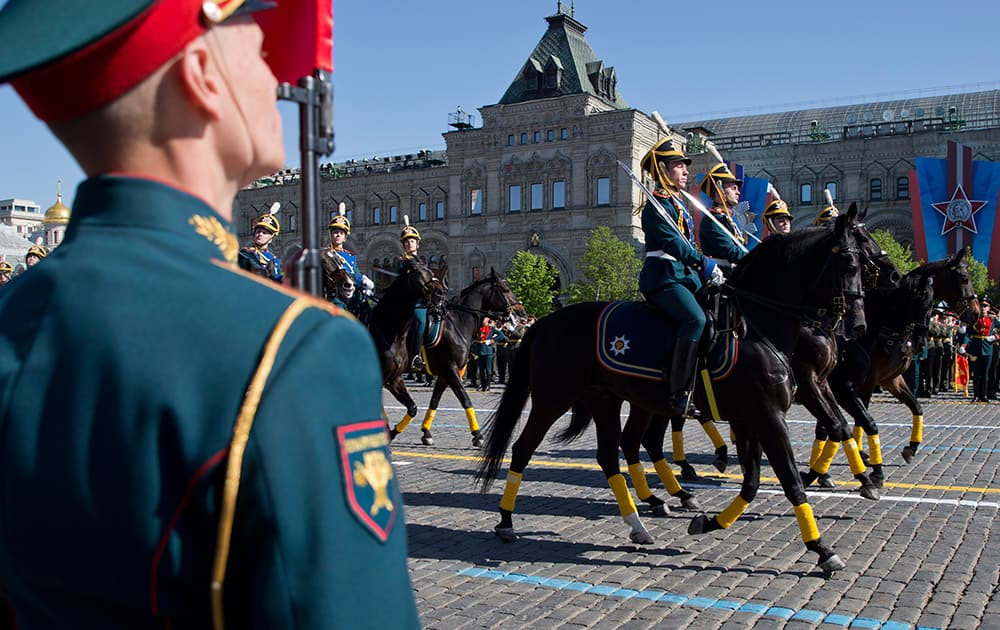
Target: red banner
(298,38)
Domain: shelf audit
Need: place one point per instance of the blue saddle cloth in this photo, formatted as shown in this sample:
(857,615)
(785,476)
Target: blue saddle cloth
(633,337)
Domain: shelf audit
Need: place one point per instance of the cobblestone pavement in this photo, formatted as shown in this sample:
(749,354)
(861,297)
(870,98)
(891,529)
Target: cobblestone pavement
(927,555)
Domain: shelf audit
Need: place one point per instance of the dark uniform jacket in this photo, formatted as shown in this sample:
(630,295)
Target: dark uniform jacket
(682,261)
(124,362)
(713,239)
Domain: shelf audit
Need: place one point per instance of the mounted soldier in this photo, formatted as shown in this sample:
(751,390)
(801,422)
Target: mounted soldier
(257,257)
(340,229)
(829,212)
(777,219)
(409,238)
(724,190)
(673,269)
(35,254)
(6,270)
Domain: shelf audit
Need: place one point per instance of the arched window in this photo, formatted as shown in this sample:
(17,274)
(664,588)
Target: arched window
(875,189)
(902,188)
(806,193)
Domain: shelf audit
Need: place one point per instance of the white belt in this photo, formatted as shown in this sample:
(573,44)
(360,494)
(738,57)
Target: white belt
(659,253)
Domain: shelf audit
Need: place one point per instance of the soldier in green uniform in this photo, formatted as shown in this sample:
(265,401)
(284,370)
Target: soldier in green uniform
(186,446)
(724,190)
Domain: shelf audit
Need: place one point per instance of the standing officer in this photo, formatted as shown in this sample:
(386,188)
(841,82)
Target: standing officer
(178,460)
(514,332)
(6,270)
(35,255)
(724,190)
(674,269)
(777,219)
(257,258)
(980,351)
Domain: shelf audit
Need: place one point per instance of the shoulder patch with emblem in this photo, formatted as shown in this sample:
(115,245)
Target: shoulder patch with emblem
(369,481)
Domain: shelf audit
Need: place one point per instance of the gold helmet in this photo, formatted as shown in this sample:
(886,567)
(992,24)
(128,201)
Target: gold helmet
(826,215)
(6,267)
(269,222)
(408,230)
(663,152)
(37,250)
(777,208)
(340,220)
(717,177)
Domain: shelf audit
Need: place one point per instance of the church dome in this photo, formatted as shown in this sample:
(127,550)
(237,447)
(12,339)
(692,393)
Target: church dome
(57,213)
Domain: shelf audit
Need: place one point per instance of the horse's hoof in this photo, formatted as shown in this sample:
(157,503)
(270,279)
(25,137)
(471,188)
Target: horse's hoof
(864,458)
(688,473)
(660,510)
(908,454)
(824,481)
(721,458)
(877,479)
(807,478)
(831,564)
(427,439)
(640,537)
(691,503)
(870,492)
(505,534)
(477,439)
(392,434)
(698,525)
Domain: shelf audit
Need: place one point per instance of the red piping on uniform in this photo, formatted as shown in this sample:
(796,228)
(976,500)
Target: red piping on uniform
(158,555)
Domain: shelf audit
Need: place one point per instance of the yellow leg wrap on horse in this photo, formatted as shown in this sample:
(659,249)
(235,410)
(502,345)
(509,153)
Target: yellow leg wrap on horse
(470,415)
(428,419)
(405,422)
(874,450)
(826,457)
(729,515)
(917,429)
(638,476)
(816,450)
(510,491)
(807,523)
(713,434)
(667,476)
(677,441)
(853,456)
(710,395)
(859,433)
(624,498)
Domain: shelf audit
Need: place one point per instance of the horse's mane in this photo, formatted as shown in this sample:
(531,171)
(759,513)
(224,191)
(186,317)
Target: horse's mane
(782,253)
(467,290)
(931,268)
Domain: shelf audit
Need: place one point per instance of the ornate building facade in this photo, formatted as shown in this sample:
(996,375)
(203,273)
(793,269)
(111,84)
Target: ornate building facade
(541,171)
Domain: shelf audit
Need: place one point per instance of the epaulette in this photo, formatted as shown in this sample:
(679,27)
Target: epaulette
(290,292)
(660,195)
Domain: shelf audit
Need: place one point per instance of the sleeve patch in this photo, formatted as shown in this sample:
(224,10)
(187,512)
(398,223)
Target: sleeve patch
(369,481)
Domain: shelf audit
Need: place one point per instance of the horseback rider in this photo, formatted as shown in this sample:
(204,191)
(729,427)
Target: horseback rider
(777,218)
(35,254)
(257,258)
(724,190)
(826,215)
(6,270)
(409,237)
(340,229)
(673,269)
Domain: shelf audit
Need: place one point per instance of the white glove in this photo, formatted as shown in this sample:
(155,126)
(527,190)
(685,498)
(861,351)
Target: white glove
(716,278)
(961,349)
(961,329)
(367,286)
(991,338)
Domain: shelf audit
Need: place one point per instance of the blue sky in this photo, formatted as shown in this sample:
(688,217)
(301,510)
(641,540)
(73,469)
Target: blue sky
(401,66)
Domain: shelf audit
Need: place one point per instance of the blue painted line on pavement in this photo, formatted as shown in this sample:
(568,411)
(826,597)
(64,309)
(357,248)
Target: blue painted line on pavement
(779,612)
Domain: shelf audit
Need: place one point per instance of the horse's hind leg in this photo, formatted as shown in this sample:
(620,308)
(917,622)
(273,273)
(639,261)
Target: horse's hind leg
(652,441)
(399,392)
(748,452)
(540,420)
(608,425)
(901,391)
(455,383)
(431,413)
(688,473)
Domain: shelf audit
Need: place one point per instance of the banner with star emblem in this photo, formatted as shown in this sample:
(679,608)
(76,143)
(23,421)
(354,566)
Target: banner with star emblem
(953,202)
(368,476)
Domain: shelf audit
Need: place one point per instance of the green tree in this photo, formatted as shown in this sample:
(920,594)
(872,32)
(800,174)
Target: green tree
(611,269)
(981,281)
(901,256)
(532,278)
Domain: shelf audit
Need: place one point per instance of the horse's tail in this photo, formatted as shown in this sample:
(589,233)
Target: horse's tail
(578,422)
(501,424)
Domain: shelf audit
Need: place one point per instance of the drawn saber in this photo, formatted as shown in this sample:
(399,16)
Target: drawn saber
(652,198)
(694,201)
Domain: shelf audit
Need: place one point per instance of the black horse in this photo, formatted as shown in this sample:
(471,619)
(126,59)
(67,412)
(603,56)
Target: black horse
(451,329)
(557,365)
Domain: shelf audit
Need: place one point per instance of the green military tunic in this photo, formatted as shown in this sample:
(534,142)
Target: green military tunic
(124,362)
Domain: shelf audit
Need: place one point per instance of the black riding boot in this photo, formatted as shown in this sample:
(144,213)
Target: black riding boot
(682,368)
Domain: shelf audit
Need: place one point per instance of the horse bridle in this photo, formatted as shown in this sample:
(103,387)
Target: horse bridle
(842,289)
(480,312)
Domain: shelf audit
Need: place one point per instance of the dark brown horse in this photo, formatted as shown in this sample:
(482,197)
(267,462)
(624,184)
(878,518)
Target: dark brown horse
(557,365)
(451,329)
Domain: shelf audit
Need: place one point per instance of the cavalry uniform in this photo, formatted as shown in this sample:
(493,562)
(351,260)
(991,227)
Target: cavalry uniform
(777,208)
(349,262)
(415,336)
(718,242)
(259,259)
(182,444)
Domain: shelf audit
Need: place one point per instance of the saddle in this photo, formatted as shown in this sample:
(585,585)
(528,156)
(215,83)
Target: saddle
(631,338)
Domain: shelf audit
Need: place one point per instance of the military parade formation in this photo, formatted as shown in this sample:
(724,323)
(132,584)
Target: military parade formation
(219,452)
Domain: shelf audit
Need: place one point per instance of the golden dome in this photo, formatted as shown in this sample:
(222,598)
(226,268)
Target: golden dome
(57,212)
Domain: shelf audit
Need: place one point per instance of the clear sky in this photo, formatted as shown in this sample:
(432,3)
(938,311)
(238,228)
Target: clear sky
(401,66)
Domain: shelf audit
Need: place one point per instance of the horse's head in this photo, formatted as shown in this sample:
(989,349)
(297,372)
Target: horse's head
(337,282)
(879,272)
(954,285)
(419,282)
(844,274)
(500,298)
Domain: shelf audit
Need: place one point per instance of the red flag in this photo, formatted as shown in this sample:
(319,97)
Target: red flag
(298,38)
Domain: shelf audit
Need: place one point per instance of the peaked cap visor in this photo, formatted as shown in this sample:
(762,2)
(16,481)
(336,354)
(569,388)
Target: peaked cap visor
(70,57)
